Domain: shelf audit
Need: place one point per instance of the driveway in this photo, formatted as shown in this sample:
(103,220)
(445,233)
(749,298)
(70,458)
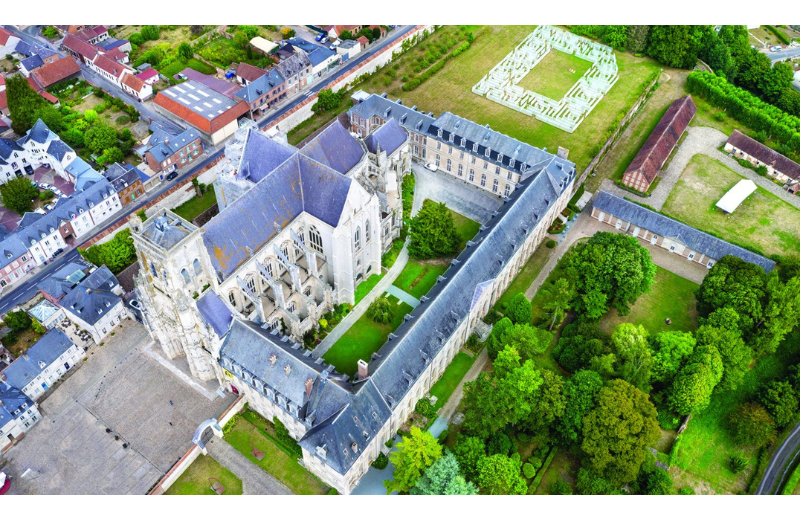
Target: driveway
(457,195)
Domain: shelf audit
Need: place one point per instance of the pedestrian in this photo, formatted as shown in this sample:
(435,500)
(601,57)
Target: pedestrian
(170,424)
(170,402)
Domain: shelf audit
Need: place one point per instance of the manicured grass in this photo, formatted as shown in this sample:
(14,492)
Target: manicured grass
(366,286)
(670,297)
(193,207)
(194,480)
(418,276)
(706,445)
(763,221)
(466,227)
(276,462)
(552,77)
(363,339)
(177,66)
(451,377)
(527,274)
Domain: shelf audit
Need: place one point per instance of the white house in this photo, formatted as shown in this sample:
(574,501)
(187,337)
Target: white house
(18,414)
(43,364)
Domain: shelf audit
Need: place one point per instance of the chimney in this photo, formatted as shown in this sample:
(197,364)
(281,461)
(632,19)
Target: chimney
(272,359)
(309,386)
(363,369)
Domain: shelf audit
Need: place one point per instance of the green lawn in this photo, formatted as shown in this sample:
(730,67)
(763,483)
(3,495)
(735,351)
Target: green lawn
(178,65)
(527,274)
(195,480)
(363,339)
(418,276)
(706,445)
(366,286)
(763,221)
(552,77)
(193,207)
(451,377)
(466,227)
(670,297)
(276,462)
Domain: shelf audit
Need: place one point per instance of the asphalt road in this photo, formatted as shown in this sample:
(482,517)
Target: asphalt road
(783,54)
(778,470)
(27,289)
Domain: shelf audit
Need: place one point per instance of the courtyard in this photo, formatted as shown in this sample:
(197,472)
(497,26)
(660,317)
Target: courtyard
(555,74)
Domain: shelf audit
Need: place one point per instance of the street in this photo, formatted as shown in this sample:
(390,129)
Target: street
(783,54)
(26,289)
(776,474)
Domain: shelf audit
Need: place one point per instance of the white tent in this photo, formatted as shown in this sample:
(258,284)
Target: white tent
(736,195)
(263,45)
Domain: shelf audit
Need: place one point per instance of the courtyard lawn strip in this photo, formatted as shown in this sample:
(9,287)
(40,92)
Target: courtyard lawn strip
(366,286)
(196,205)
(418,276)
(552,78)
(363,339)
(527,274)
(451,377)
(762,222)
(276,461)
(195,480)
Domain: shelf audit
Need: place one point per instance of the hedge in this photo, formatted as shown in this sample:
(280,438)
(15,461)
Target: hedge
(793,482)
(436,67)
(778,33)
(542,471)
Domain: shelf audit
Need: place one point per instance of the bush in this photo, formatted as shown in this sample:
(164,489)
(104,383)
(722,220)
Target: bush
(226,429)
(550,244)
(282,434)
(519,309)
(381,462)
(560,487)
(18,321)
(751,425)
(442,438)
(498,444)
(425,408)
(738,462)
(381,310)
(528,470)
(46,195)
(686,490)
(536,462)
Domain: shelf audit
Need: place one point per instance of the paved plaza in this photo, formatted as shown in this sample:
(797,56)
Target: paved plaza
(470,201)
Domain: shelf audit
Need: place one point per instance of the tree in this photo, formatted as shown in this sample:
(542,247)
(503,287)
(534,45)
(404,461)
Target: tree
(579,343)
(116,254)
(692,388)
(366,32)
(780,400)
(381,310)
(498,443)
(327,100)
(671,349)
(615,36)
(519,309)
(580,395)
(90,115)
(150,32)
(736,355)
(590,483)
(617,433)
(676,45)
(548,404)
(629,344)
(287,32)
(777,79)
(74,138)
(346,35)
(498,339)
(23,103)
(415,454)
(240,39)
(376,33)
(609,270)
(637,37)
(739,462)
(433,233)
(752,425)
(185,51)
(500,475)
(441,477)
(18,320)
(529,341)
(560,487)
(17,195)
(736,284)
(781,312)
(558,300)
(100,137)
(112,155)
(653,480)
(469,451)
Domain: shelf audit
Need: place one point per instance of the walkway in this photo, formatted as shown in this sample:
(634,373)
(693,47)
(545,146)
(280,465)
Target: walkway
(403,296)
(457,195)
(255,481)
(449,409)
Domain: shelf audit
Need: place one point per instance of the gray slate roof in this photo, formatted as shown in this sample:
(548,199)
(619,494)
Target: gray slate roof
(659,224)
(166,231)
(121,176)
(59,149)
(413,120)
(8,147)
(260,86)
(46,351)
(215,312)
(12,400)
(261,155)
(164,144)
(11,248)
(64,279)
(389,137)
(92,298)
(34,62)
(335,148)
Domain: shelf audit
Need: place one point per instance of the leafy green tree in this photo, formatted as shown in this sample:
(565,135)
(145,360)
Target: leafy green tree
(777,79)
(500,475)
(376,33)
(609,270)
(560,487)
(116,254)
(615,36)
(617,433)
(240,39)
(327,100)
(415,454)
(736,284)
(151,32)
(580,395)
(18,194)
(653,480)
(18,321)
(185,51)
(100,137)
(692,388)
(74,138)
(676,45)
(23,103)
(752,425)
(433,233)
(781,312)
(736,355)
(498,443)
(519,309)
(558,300)
(780,400)
(443,478)
(381,310)
(529,341)
(90,115)
(51,117)
(469,451)
(630,345)
(112,155)
(739,462)
(637,37)
(499,337)
(548,404)
(579,343)
(671,349)
(590,483)
(346,35)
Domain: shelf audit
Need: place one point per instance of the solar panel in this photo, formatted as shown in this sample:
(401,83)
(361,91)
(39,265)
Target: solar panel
(217,101)
(169,92)
(197,108)
(190,86)
(179,89)
(182,100)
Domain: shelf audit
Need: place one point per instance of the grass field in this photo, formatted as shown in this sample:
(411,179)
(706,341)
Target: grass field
(194,206)
(466,227)
(177,66)
(763,221)
(195,480)
(552,77)
(526,275)
(363,339)
(451,377)
(366,286)
(670,297)
(418,276)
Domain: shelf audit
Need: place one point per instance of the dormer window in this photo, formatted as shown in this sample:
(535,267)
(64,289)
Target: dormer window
(499,157)
(487,152)
(439,133)
(475,147)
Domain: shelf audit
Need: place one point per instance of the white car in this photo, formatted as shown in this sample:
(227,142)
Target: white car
(775,48)
(432,167)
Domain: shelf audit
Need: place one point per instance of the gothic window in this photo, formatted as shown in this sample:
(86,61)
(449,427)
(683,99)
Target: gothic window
(186,279)
(268,267)
(198,269)
(366,231)
(166,281)
(316,239)
(285,250)
(232,298)
(251,284)
(357,238)
(153,270)
(307,291)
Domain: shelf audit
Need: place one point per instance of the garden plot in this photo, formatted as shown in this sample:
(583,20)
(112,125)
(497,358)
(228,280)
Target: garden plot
(502,84)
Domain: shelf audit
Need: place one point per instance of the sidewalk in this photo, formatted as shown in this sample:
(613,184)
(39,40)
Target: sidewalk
(255,481)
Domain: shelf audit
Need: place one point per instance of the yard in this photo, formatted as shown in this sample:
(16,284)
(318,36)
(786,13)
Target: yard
(763,221)
(451,377)
(670,297)
(24,340)
(363,339)
(366,286)
(198,477)
(196,205)
(418,276)
(555,74)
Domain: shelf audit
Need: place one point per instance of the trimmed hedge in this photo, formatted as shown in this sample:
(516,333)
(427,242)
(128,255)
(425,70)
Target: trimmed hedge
(542,471)
(778,33)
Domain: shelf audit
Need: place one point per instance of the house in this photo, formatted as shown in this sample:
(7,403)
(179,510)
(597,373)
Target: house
(79,49)
(135,86)
(95,304)
(296,70)
(322,59)
(18,414)
(363,41)
(28,65)
(149,76)
(46,313)
(349,49)
(644,168)
(263,92)
(63,280)
(168,151)
(8,42)
(50,74)
(664,232)
(109,44)
(335,31)
(15,260)
(126,182)
(212,114)
(779,167)
(246,73)
(43,364)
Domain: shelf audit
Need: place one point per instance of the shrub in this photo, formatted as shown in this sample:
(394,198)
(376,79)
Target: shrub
(738,462)
(226,429)
(18,321)
(282,434)
(536,462)
(442,438)
(381,462)
(381,310)
(519,309)
(528,470)
(498,444)
(425,408)
(751,425)
(686,490)
(46,195)
(560,487)
(550,244)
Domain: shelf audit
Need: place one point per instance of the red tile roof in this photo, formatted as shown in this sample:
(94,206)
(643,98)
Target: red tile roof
(32,83)
(249,72)
(4,36)
(663,139)
(148,74)
(116,54)
(49,97)
(105,63)
(765,154)
(198,121)
(363,40)
(133,82)
(2,81)
(3,100)
(80,47)
(57,71)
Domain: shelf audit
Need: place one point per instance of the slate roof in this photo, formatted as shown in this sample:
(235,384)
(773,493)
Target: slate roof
(39,133)
(316,53)
(335,148)
(164,144)
(12,399)
(215,312)
(34,62)
(414,120)
(8,147)
(389,137)
(765,154)
(263,84)
(261,156)
(64,279)
(92,298)
(58,149)
(121,176)
(27,368)
(663,138)
(166,231)
(659,224)
(59,70)
(11,248)
(293,64)
(111,43)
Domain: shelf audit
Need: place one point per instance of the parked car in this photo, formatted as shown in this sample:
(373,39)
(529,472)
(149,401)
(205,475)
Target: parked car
(324,40)
(45,186)
(57,192)
(171,176)
(775,48)
(320,36)
(49,207)
(432,167)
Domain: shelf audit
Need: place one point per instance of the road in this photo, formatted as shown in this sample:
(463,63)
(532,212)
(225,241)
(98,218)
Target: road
(784,54)
(777,471)
(26,289)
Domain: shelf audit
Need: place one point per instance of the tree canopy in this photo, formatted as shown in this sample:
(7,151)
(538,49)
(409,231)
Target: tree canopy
(443,478)
(433,233)
(752,425)
(500,475)
(580,396)
(18,194)
(418,451)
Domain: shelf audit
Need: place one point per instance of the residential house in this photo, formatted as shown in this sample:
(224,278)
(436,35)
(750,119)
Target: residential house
(263,92)
(43,364)
(40,59)
(126,182)
(246,73)
(64,279)
(335,31)
(644,168)
(296,71)
(135,86)
(18,414)
(79,49)
(58,71)
(322,59)
(15,260)
(96,304)
(363,41)
(47,314)
(169,151)
(8,42)
(149,76)
(349,49)
(778,166)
